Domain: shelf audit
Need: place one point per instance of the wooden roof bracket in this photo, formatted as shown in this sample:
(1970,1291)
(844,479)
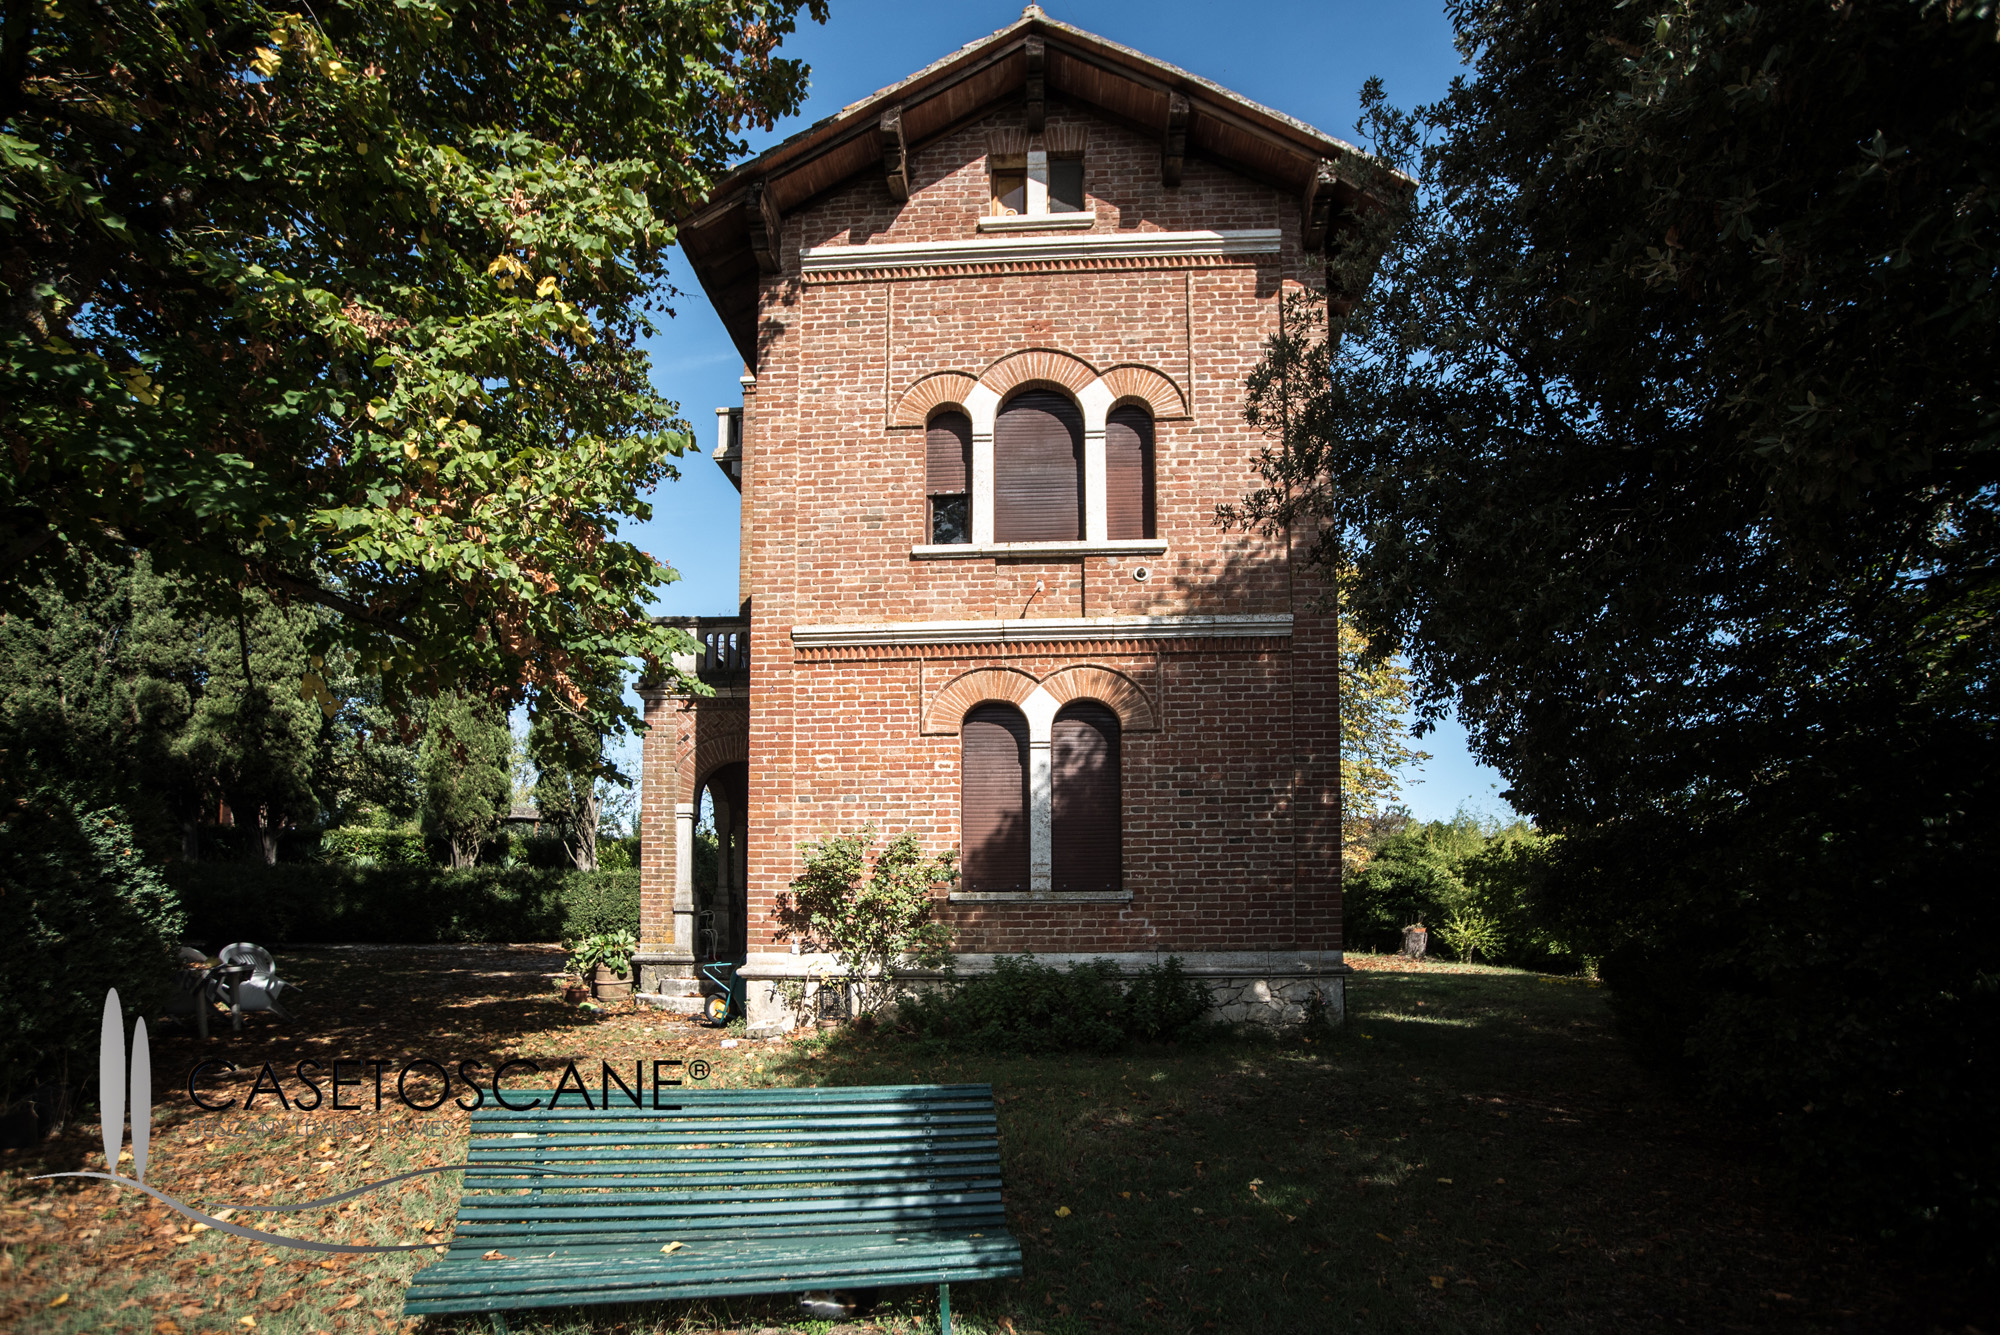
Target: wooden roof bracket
(1316,216)
(1173,145)
(762,222)
(895,153)
(1037,53)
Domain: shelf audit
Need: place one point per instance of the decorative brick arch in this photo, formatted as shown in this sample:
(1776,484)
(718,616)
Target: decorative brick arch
(1142,384)
(728,749)
(930,393)
(948,707)
(1037,366)
(1087,681)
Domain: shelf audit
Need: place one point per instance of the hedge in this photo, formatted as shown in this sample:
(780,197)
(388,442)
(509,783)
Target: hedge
(228,902)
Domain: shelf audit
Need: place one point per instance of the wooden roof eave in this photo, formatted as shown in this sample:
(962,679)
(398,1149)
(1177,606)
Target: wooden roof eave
(1224,128)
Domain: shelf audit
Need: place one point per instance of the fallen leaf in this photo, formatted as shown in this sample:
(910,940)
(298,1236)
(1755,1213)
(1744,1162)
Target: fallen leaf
(1437,1281)
(673,1246)
(247,1322)
(225,1212)
(495,1255)
(1384,1236)
(61,1300)
(352,1300)
(1062,1212)
(199,1228)
(1445,1180)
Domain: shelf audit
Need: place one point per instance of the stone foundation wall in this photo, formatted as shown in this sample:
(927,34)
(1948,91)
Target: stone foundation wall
(1246,987)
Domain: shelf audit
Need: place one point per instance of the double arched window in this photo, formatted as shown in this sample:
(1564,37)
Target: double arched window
(1077,767)
(1040,465)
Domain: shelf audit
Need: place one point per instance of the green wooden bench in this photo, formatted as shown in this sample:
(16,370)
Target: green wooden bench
(766,1190)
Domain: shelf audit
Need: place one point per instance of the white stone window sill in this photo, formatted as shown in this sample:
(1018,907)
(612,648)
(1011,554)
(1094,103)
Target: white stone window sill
(1039,222)
(969,551)
(1041,897)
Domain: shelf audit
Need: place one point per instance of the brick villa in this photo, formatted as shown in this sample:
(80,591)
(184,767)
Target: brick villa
(997,321)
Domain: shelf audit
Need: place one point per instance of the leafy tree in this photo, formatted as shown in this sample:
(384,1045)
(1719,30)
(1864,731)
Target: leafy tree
(571,775)
(251,732)
(83,907)
(345,303)
(464,765)
(1663,443)
(1374,740)
(117,691)
(873,920)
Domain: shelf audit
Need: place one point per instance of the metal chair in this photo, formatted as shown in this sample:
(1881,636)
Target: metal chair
(258,991)
(197,991)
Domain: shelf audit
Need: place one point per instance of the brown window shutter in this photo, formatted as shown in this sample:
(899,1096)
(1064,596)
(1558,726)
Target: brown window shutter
(1128,474)
(1087,852)
(993,798)
(1038,470)
(948,455)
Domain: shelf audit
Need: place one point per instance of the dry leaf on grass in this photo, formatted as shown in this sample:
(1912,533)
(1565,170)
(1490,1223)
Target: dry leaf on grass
(61,1299)
(351,1301)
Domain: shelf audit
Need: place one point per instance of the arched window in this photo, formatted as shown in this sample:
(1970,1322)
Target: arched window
(948,477)
(1038,470)
(1087,847)
(1128,474)
(993,798)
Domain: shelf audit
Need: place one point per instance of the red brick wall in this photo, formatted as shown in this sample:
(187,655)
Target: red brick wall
(1230,805)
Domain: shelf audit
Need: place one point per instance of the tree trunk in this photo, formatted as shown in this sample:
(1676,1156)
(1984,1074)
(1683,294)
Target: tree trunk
(463,853)
(264,835)
(584,853)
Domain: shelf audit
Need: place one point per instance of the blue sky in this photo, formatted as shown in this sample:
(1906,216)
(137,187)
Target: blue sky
(1307,60)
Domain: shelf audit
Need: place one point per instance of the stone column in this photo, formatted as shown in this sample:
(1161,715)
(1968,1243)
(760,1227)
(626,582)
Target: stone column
(682,950)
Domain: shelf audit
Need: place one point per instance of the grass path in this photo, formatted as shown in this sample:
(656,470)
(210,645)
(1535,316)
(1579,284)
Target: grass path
(1473,1152)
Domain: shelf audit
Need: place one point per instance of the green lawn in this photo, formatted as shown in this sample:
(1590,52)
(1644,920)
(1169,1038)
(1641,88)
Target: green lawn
(1472,1152)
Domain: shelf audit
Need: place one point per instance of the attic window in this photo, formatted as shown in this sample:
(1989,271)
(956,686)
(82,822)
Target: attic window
(1030,179)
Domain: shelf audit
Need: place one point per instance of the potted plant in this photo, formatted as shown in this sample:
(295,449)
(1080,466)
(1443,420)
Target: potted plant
(606,960)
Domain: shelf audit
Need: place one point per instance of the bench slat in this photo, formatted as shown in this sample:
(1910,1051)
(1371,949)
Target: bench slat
(765,1189)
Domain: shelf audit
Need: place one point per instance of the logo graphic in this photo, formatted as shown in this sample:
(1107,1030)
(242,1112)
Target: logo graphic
(116,1092)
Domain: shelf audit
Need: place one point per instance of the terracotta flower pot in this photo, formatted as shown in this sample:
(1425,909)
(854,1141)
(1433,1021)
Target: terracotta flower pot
(573,993)
(608,986)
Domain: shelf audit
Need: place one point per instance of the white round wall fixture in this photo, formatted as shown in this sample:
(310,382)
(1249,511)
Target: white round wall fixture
(1141,574)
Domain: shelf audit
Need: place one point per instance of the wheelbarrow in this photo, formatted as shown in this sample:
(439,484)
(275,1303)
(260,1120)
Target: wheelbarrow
(726,1003)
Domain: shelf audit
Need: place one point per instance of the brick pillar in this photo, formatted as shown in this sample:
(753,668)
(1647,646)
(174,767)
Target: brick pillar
(665,941)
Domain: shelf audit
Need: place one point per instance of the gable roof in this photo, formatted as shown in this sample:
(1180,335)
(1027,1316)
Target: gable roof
(732,238)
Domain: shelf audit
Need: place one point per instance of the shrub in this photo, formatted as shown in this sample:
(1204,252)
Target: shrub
(402,904)
(596,903)
(84,911)
(1026,1006)
(873,920)
(374,846)
(618,854)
